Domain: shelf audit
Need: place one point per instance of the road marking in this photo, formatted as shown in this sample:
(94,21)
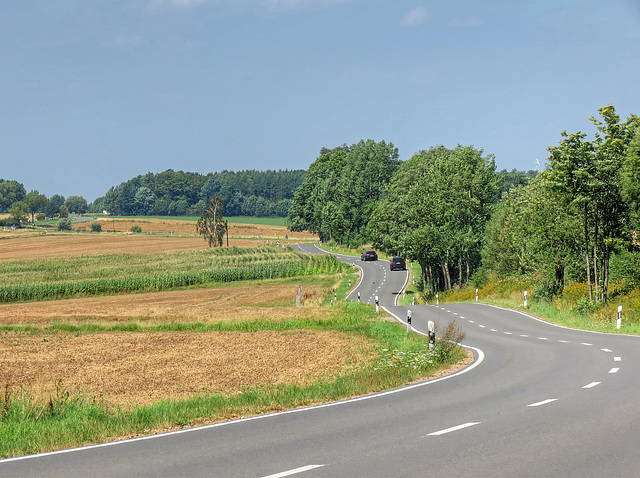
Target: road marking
(455,313)
(563,341)
(481,326)
(606,350)
(617,359)
(461,317)
(591,385)
(295,471)
(614,370)
(524,335)
(493,330)
(508,333)
(542,338)
(452,429)
(543,402)
(585,343)
(471,322)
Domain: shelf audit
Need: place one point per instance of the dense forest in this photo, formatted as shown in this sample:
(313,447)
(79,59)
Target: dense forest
(450,210)
(174,193)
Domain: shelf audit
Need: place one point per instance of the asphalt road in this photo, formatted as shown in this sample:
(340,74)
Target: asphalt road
(539,400)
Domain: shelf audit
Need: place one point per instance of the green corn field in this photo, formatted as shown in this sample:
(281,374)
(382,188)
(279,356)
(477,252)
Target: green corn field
(46,279)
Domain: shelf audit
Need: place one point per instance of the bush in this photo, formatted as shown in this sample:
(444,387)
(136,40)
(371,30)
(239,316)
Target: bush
(584,306)
(64,224)
(96,226)
(135,229)
(546,291)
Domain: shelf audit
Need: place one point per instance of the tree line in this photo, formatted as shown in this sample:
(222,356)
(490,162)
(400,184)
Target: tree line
(460,219)
(176,193)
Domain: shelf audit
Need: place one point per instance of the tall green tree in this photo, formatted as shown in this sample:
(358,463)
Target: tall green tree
(76,204)
(10,192)
(630,178)
(434,211)
(211,224)
(34,202)
(341,189)
(586,174)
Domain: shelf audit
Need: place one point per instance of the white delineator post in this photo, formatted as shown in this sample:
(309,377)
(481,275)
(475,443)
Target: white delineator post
(377,305)
(525,299)
(408,320)
(619,323)
(476,295)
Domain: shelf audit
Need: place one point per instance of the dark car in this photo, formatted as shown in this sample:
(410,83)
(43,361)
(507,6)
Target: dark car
(369,256)
(398,264)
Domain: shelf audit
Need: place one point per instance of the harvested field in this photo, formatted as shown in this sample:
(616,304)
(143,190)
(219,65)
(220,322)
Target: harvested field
(127,369)
(236,303)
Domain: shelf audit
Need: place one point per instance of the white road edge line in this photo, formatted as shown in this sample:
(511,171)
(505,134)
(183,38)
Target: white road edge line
(452,429)
(295,471)
(543,402)
(591,385)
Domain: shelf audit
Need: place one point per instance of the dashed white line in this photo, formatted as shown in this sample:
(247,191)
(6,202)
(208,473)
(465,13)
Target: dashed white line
(543,338)
(524,335)
(508,333)
(543,402)
(591,385)
(493,330)
(606,350)
(481,326)
(585,343)
(563,341)
(617,359)
(294,471)
(614,370)
(452,429)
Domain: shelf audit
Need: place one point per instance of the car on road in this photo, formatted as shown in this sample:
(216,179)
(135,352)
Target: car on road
(398,264)
(369,256)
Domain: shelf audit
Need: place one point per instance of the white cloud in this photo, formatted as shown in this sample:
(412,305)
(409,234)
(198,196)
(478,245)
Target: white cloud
(415,17)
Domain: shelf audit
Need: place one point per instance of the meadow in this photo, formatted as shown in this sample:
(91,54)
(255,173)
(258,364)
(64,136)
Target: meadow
(108,345)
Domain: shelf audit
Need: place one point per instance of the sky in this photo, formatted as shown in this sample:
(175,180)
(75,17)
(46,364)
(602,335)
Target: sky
(96,92)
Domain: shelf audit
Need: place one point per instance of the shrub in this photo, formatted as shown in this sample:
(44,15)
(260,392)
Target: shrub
(64,224)
(96,226)
(135,229)
(584,306)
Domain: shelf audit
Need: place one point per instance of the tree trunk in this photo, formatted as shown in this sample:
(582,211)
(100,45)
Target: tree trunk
(447,276)
(587,252)
(605,274)
(559,279)
(595,258)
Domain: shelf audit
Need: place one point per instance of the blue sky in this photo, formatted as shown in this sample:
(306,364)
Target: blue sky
(95,92)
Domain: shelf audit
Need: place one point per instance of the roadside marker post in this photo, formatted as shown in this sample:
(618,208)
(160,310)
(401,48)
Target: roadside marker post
(431,332)
(437,300)
(408,320)
(476,295)
(358,296)
(619,323)
(377,305)
(525,299)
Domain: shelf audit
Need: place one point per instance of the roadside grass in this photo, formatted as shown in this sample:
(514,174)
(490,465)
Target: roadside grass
(72,419)
(570,309)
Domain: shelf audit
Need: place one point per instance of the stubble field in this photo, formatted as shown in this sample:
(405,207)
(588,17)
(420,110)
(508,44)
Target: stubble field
(137,368)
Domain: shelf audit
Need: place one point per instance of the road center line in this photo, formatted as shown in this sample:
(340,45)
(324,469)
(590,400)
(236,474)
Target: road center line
(606,350)
(295,471)
(614,370)
(617,359)
(585,343)
(452,429)
(543,402)
(591,385)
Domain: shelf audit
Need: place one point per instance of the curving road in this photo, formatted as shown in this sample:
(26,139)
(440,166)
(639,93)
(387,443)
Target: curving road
(540,400)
